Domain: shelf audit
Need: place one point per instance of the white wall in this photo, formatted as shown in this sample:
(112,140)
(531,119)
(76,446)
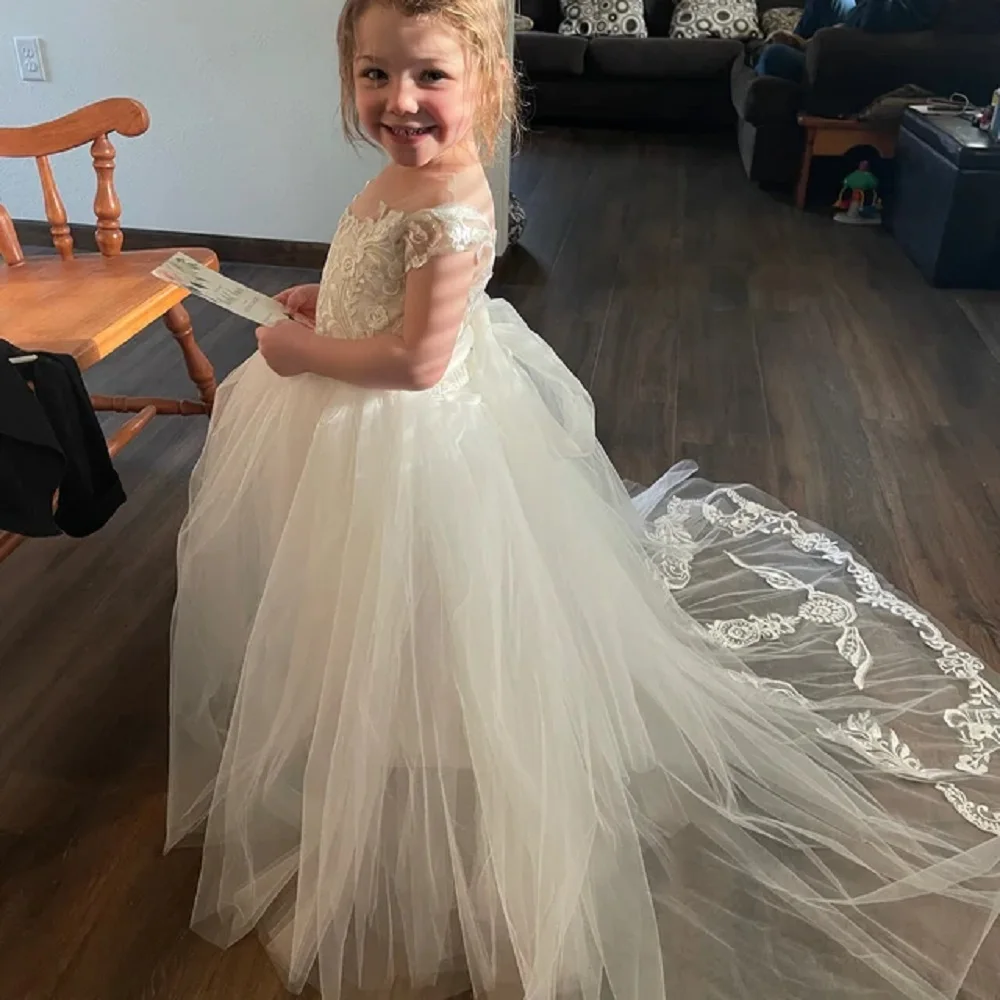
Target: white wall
(245,137)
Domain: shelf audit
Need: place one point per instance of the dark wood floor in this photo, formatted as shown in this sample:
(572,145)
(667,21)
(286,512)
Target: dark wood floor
(709,321)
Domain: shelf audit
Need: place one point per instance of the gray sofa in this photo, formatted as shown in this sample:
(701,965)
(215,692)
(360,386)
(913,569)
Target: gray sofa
(631,82)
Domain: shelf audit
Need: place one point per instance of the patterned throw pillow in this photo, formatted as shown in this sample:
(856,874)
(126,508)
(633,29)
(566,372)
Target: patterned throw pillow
(603,17)
(715,19)
(780,19)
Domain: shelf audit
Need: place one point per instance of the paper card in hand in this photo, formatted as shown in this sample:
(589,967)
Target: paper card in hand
(180,269)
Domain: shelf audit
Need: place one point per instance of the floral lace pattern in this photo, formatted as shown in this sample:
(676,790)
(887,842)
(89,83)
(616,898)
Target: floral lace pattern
(975,722)
(674,549)
(882,746)
(819,608)
(364,279)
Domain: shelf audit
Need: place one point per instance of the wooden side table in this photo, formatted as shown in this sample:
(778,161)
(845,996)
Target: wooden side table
(836,136)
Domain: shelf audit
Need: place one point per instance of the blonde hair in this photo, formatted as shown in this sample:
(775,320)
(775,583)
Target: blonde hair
(482,26)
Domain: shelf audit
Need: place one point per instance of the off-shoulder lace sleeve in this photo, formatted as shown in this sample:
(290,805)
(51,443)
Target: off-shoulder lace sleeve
(432,232)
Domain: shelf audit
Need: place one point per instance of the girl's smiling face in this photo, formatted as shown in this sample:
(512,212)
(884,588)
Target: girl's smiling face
(414,88)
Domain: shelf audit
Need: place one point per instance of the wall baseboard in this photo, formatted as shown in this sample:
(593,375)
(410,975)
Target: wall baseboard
(232,249)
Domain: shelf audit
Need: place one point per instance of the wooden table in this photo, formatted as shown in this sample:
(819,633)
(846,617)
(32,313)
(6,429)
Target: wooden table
(89,306)
(836,136)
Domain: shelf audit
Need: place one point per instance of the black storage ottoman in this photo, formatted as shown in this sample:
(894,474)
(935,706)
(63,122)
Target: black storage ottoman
(945,207)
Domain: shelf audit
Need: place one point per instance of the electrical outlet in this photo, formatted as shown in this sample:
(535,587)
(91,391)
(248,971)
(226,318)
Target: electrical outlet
(29,59)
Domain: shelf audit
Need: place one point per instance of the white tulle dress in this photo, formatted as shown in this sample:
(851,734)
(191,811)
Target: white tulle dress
(448,703)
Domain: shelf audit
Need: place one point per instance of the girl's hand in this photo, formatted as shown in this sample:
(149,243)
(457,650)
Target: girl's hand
(286,347)
(300,300)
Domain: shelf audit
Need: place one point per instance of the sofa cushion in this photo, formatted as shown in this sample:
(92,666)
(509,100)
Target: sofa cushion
(847,69)
(779,19)
(715,19)
(661,58)
(547,14)
(547,55)
(601,18)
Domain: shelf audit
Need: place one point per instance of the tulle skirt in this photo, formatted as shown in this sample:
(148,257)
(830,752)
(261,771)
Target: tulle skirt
(450,707)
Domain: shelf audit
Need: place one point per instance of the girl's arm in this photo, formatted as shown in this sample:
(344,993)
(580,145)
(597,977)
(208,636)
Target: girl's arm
(415,358)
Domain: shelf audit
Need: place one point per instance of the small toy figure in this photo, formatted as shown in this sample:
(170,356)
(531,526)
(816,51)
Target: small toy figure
(859,202)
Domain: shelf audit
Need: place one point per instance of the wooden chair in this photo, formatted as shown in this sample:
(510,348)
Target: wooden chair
(89,305)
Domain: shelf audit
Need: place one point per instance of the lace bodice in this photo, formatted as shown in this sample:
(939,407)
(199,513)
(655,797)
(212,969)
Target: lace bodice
(363,283)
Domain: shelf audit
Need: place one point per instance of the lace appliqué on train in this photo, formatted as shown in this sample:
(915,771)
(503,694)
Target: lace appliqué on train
(975,722)
(674,549)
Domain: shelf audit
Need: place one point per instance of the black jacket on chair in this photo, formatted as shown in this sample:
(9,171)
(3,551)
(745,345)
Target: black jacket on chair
(51,439)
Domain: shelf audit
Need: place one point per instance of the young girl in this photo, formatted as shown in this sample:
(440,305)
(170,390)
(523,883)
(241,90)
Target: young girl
(451,708)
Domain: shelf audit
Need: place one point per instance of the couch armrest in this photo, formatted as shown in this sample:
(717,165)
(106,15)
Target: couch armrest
(764,101)
(847,69)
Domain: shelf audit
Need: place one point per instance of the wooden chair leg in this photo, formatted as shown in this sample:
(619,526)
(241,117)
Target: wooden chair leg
(9,542)
(136,404)
(130,429)
(199,368)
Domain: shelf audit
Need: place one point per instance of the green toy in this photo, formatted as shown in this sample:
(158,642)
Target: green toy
(859,202)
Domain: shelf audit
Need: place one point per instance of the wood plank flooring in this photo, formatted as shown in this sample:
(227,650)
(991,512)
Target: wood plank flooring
(708,320)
